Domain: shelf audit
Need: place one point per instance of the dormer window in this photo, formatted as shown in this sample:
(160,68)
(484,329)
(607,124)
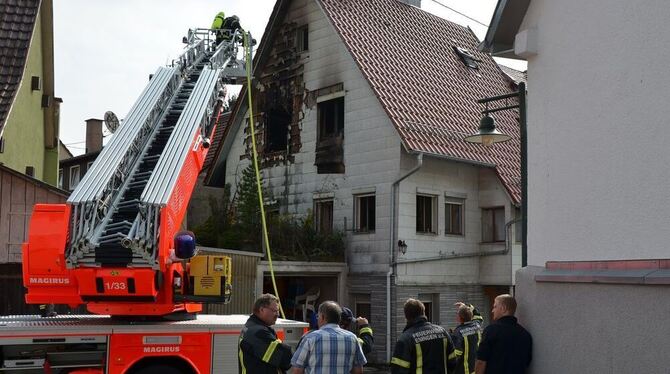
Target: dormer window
(466,56)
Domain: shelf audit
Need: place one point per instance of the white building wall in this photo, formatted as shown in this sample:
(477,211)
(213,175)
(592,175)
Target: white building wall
(480,188)
(597,131)
(371,146)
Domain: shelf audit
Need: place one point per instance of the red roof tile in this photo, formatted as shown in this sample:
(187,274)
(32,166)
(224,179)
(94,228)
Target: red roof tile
(407,55)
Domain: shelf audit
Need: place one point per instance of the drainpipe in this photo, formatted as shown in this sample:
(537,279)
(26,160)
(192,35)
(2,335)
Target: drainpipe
(447,256)
(394,189)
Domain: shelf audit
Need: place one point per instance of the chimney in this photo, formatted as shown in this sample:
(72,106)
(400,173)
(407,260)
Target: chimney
(416,3)
(93,135)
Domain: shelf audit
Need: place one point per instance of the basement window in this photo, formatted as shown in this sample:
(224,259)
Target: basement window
(277,122)
(467,57)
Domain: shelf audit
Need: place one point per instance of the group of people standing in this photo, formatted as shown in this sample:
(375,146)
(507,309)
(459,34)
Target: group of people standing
(330,349)
(502,347)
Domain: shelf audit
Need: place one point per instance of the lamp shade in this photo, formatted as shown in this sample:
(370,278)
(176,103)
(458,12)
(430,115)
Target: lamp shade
(487,134)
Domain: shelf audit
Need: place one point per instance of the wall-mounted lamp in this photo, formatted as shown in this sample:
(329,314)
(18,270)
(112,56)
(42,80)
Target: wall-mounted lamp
(402,246)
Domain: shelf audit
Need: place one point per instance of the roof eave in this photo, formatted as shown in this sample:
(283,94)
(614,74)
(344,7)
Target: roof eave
(504,26)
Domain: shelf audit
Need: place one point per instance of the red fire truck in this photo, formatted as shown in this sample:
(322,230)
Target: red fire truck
(116,245)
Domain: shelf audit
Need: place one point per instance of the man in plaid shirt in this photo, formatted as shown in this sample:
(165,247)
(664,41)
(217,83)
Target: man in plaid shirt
(330,349)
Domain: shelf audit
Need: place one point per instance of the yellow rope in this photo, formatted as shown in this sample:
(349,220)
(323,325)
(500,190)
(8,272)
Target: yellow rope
(247,53)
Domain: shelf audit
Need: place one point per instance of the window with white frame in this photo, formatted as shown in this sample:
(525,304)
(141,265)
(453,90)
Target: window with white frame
(364,213)
(60,178)
(74,177)
(493,225)
(426,214)
(323,215)
(453,215)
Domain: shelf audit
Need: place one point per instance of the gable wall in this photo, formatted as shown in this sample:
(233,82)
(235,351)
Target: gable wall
(371,145)
(24,129)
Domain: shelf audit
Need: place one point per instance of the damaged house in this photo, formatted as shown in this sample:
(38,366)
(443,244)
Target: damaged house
(360,110)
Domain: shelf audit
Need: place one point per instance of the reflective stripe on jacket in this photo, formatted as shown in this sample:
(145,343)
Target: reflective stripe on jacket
(365,338)
(423,348)
(260,351)
(466,338)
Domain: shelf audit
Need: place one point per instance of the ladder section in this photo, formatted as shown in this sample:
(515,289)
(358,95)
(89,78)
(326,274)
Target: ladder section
(114,248)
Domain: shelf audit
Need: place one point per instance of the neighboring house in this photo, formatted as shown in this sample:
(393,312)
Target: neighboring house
(63,151)
(18,194)
(29,111)
(72,170)
(595,293)
(361,108)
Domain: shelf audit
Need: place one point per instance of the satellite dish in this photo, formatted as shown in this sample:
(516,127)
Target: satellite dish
(111,121)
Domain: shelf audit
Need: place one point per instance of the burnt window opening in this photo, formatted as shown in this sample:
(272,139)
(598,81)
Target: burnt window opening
(330,138)
(277,122)
(467,57)
(302,39)
(331,118)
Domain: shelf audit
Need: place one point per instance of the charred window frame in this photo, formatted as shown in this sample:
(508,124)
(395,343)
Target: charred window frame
(323,215)
(277,124)
(331,118)
(493,225)
(329,158)
(364,213)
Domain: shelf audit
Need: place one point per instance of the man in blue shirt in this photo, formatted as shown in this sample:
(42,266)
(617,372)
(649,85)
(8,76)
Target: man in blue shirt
(330,349)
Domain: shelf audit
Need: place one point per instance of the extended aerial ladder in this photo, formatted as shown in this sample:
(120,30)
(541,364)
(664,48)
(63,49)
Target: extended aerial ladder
(112,245)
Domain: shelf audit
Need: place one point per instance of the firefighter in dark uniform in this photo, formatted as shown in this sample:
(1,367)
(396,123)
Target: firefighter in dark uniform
(422,347)
(224,27)
(466,339)
(364,333)
(260,351)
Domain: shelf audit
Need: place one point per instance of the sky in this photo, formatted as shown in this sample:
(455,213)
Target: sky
(105,50)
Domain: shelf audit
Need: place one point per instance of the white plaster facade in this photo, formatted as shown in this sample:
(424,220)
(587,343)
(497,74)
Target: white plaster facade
(597,134)
(597,184)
